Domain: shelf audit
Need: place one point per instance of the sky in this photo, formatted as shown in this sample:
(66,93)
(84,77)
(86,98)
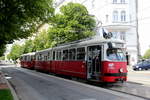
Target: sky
(144,24)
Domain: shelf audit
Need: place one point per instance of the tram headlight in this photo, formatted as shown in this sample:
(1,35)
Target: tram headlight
(121,70)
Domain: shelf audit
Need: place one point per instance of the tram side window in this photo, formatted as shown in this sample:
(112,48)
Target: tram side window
(40,57)
(53,55)
(65,54)
(32,57)
(48,56)
(36,57)
(72,54)
(58,56)
(45,58)
(29,58)
(81,53)
(21,58)
(25,58)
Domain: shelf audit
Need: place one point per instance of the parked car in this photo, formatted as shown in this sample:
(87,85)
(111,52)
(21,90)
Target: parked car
(143,65)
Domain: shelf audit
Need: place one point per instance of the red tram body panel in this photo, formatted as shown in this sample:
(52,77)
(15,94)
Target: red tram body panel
(42,66)
(73,68)
(114,71)
(28,64)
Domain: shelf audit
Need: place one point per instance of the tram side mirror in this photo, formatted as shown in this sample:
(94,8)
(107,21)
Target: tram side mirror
(110,45)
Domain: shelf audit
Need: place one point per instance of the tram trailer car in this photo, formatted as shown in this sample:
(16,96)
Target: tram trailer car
(101,60)
(43,62)
(28,60)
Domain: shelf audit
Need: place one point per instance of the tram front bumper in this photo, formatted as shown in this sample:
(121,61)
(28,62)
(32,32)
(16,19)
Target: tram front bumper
(114,77)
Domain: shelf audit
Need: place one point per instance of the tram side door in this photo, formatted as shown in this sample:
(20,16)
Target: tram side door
(93,62)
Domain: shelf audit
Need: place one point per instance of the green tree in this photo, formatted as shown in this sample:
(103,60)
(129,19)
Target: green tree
(147,54)
(16,52)
(28,46)
(2,48)
(20,18)
(73,23)
(41,41)
(2,58)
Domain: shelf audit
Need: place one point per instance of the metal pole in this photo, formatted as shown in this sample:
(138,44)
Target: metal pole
(138,43)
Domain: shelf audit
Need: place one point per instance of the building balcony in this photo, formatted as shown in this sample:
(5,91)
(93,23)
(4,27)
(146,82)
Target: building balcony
(118,26)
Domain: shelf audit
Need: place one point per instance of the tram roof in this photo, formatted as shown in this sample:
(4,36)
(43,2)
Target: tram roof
(84,42)
(89,41)
(31,53)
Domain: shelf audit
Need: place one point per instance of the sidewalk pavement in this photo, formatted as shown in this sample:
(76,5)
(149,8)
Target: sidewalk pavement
(141,77)
(4,84)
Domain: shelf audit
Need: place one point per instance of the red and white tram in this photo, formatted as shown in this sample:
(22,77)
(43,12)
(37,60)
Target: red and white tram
(94,59)
(28,60)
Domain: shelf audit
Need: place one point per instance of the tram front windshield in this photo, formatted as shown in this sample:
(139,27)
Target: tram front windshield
(116,54)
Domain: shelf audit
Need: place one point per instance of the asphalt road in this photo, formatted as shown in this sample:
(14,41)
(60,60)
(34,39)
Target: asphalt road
(32,85)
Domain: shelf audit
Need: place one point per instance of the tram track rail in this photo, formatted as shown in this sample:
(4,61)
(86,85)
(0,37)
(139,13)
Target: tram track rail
(130,94)
(113,87)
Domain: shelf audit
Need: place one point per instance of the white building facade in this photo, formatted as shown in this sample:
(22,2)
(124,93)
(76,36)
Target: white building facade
(118,17)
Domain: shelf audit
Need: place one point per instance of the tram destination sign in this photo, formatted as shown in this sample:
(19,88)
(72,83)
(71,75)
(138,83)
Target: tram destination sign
(118,45)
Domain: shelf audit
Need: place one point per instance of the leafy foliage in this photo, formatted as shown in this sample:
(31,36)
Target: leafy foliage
(147,54)
(73,23)
(16,52)
(41,41)
(2,48)
(2,58)
(28,46)
(20,18)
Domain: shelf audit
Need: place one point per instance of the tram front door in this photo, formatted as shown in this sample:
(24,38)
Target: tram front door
(93,62)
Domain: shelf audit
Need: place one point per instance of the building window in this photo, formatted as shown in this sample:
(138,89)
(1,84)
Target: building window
(123,36)
(115,35)
(107,18)
(122,1)
(123,16)
(114,1)
(115,16)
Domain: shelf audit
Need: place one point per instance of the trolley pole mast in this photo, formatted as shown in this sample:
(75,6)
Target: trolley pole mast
(138,43)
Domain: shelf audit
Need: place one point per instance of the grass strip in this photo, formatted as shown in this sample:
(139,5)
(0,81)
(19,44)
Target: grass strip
(5,94)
